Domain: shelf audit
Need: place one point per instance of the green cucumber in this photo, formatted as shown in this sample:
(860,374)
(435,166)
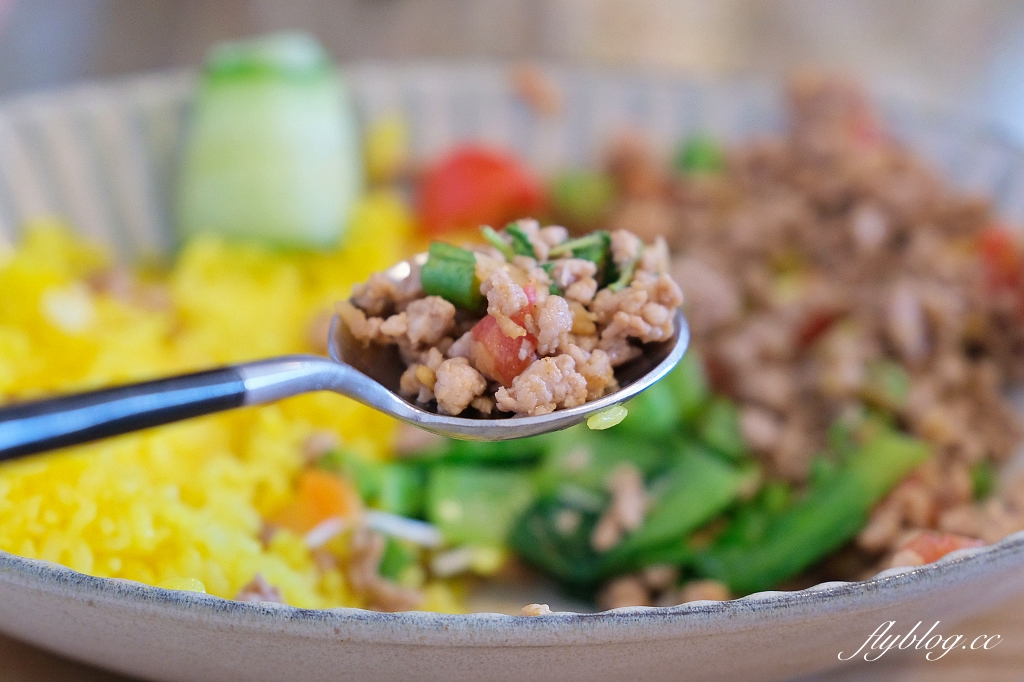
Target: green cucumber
(272,151)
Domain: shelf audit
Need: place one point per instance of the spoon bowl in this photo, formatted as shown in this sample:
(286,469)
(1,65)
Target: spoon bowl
(381,367)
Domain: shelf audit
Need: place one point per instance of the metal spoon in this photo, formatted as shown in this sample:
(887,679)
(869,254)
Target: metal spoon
(369,375)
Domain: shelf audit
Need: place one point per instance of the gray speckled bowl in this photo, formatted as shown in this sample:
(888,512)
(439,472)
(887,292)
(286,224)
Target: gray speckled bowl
(103,156)
(165,635)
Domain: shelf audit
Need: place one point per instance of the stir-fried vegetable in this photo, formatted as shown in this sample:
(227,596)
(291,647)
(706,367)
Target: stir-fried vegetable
(554,535)
(507,452)
(829,516)
(719,427)
(476,505)
(697,487)
(585,459)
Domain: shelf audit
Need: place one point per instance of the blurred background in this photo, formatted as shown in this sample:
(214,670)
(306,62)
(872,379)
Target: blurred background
(953,53)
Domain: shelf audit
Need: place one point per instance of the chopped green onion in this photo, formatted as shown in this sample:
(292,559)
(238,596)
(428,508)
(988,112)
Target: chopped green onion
(521,243)
(517,244)
(594,247)
(496,240)
(599,239)
(626,272)
(450,272)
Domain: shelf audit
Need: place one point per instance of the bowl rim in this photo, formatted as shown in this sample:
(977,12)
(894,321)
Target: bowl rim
(491,629)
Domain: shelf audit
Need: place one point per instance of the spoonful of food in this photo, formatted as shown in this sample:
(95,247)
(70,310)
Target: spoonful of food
(535,333)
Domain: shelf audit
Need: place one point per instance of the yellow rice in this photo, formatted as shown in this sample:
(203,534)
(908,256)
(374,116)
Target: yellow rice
(181,506)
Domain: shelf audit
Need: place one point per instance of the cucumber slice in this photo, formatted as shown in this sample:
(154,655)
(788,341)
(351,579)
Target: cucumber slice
(273,151)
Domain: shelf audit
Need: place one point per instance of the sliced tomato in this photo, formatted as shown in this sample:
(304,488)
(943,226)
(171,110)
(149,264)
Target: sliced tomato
(499,356)
(475,186)
(932,546)
(1002,259)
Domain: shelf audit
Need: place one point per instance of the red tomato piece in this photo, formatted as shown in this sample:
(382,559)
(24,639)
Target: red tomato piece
(932,546)
(497,355)
(476,186)
(1001,258)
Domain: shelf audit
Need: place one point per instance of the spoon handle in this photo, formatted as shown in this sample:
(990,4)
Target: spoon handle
(28,428)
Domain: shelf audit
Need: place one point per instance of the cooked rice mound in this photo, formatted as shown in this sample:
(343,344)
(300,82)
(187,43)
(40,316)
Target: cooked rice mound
(181,506)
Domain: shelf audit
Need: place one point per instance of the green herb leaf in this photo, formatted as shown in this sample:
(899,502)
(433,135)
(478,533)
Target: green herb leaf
(594,247)
(521,244)
(497,241)
(626,272)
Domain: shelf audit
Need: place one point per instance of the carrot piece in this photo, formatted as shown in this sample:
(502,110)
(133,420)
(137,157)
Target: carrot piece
(320,495)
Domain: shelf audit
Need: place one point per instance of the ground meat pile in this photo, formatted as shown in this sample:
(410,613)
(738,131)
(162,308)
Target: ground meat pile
(528,324)
(830,272)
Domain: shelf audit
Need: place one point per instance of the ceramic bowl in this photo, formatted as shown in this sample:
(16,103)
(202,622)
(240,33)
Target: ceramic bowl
(103,156)
(186,637)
